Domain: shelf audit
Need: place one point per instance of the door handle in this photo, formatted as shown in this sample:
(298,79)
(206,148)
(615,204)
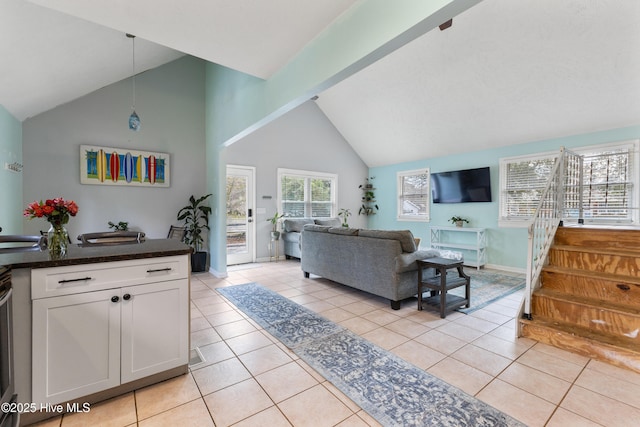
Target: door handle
(249,215)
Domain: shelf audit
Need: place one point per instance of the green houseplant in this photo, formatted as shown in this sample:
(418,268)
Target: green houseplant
(458,221)
(196,219)
(344,214)
(369,205)
(120,226)
(275,234)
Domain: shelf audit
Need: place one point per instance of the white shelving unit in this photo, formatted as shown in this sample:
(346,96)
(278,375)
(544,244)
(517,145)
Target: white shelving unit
(472,242)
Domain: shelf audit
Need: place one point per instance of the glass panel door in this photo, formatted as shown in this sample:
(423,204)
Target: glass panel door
(240,215)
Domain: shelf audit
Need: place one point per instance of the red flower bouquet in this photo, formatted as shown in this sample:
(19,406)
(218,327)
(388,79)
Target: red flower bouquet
(56,211)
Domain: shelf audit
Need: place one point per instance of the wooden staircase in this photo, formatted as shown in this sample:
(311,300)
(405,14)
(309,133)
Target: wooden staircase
(589,299)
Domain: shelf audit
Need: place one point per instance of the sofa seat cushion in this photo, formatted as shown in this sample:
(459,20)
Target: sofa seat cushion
(405,237)
(407,261)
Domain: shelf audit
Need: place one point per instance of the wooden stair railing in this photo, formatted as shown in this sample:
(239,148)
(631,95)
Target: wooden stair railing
(561,201)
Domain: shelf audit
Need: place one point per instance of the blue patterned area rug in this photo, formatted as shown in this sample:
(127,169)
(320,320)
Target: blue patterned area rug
(488,286)
(393,391)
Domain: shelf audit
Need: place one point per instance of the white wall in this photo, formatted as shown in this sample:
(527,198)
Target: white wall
(301,139)
(170,101)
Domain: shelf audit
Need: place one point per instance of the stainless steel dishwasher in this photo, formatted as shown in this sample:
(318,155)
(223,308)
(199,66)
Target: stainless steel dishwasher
(9,414)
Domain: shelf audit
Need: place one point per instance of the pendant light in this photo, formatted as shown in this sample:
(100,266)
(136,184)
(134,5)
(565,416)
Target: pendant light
(134,120)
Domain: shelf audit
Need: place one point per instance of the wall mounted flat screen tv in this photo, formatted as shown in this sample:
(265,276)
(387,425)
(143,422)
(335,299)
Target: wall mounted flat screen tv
(469,185)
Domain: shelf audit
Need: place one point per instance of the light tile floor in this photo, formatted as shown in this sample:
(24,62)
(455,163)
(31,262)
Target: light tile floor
(250,379)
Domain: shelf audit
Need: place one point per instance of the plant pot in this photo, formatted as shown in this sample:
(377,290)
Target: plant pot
(275,235)
(198,262)
(459,223)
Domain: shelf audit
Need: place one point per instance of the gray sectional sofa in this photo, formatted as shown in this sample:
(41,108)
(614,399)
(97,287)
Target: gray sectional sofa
(381,262)
(291,229)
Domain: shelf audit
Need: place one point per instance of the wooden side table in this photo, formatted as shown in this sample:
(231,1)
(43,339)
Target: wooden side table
(441,283)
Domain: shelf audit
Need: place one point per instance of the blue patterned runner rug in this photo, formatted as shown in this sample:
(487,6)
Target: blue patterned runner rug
(488,286)
(393,391)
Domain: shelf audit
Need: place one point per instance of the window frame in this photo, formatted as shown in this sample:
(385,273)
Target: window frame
(308,176)
(632,145)
(400,215)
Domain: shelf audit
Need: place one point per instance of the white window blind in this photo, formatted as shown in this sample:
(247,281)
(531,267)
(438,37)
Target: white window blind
(413,195)
(609,180)
(608,186)
(524,181)
(307,194)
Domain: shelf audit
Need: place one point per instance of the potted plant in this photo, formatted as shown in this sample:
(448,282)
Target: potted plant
(458,221)
(196,219)
(344,214)
(369,206)
(275,234)
(120,226)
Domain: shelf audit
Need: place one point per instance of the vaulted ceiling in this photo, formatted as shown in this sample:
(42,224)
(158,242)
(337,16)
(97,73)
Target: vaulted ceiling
(506,72)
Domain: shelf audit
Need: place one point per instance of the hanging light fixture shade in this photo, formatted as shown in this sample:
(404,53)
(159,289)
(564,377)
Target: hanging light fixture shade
(134,119)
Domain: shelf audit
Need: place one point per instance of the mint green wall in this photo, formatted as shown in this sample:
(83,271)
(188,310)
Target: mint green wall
(507,246)
(238,104)
(10,182)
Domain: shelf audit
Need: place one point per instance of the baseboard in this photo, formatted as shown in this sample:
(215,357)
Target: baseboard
(506,268)
(218,274)
(272,259)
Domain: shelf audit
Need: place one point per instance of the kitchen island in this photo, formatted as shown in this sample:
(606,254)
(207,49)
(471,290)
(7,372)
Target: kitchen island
(100,322)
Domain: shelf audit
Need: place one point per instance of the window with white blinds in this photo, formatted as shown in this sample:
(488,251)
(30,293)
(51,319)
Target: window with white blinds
(522,182)
(413,195)
(305,194)
(610,178)
(608,186)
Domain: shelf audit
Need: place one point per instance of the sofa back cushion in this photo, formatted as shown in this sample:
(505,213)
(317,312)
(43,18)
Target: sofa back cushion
(344,230)
(317,228)
(405,237)
(332,222)
(294,225)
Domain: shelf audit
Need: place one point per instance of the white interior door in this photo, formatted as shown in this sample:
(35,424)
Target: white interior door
(240,215)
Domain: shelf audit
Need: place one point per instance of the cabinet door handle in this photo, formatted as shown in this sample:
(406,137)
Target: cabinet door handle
(126,297)
(115,299)
(83,279)
(159,270)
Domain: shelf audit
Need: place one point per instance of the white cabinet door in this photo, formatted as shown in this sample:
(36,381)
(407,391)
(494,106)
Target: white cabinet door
(155,328)
(76,345)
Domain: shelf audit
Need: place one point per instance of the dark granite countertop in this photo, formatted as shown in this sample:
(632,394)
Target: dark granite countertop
(77,254)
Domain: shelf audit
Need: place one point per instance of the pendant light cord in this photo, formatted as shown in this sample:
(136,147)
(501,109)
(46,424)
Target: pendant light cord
(133,61)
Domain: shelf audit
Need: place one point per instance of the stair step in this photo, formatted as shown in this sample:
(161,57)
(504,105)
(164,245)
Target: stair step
(623,238)
(609,287)
(583,341)
(610,318)
(614,261)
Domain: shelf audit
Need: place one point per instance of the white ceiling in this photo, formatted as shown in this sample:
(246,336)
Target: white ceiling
(505,72)
(54,51)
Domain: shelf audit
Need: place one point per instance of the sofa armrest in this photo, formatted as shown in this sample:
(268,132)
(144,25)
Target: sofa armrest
(407,261)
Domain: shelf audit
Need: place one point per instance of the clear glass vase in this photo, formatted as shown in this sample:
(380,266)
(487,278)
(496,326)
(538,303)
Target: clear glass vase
(57,241)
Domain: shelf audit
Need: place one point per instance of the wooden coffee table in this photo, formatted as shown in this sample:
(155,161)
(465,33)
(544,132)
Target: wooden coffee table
(441,283)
